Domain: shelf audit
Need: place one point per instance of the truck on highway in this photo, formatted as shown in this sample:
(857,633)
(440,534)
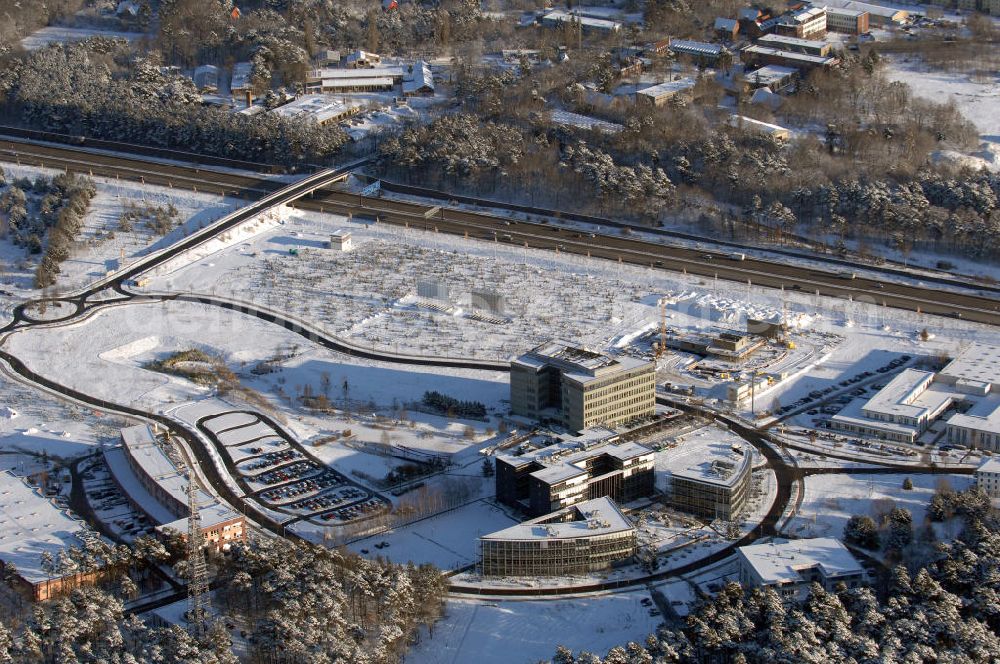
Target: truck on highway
(847,275)
(738,256)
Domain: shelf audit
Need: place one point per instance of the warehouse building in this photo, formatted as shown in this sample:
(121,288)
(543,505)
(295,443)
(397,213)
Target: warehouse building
(30,525)
(580,387)
(588,537)
(789,567)
(155,486)
(592,465)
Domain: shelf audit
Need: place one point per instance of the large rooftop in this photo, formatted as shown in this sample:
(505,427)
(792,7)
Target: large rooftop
(898,397)
(782,561)
(31,525)
(318,108)
(983,416)
(875,10)
(668,88)
(976,363)
(577,363)
(567,458)
(710,455)
(779,40)
(695,47)
(599,516)
(990,466)
(792,56)
(146,451)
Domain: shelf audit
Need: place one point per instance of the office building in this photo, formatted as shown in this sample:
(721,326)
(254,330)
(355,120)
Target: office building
(707,476)
(805,23)
(587,537)
(850,21)
(796,45)
(658,95)
(580,387)
(791,566)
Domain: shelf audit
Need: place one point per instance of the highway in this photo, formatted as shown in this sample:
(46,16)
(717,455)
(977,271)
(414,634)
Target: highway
(968,304)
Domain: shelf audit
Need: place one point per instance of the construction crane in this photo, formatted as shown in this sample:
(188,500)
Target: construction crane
(661,347)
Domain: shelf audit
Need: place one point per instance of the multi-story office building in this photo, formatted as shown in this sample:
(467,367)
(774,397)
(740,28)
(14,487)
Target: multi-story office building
(583,538)
(710,479)
(851,21)
(551,478)
(581,387)
(805,24)
(790,567)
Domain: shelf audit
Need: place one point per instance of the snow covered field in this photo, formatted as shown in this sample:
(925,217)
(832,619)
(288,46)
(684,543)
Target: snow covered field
(524,632)
(830,500)
(59,35)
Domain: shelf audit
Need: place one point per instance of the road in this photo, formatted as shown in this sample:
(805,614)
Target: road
(535,234)
(968,303)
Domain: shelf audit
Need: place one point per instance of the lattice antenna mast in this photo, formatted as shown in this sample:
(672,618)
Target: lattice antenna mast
(197,568)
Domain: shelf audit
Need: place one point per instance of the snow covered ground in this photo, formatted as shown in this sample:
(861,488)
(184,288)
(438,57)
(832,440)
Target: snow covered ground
(830,500)
(524,632)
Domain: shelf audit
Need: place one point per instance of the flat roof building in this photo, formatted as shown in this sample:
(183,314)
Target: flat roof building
(850,21)
(774,77)
(340,239)
(805,23)
(587,537)
(581,387)
(879,15)
(155,486)
(371,79)
(321,109)
(757,55)
(560,17)
(775,131)
(30,525)
(704,52)
(791,566)
(660,94)
(796,45)
(707,475)
(592,465)
(988,477)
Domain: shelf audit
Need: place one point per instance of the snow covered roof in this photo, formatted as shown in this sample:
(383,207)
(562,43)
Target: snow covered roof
(576,363)
(420,79)
(897,397)
(31,525)
(562,16)
(790,56)
(727,24)
(599,516)
(976,362)
(763,127)
(361,56)
(570,119)
(783,561)
(667,88)
(989,466)
(804,15)
(770,75)
(983,416)
(317,108)
(707,459)
(782,40)
(889,13)
(695,47)
(210,516)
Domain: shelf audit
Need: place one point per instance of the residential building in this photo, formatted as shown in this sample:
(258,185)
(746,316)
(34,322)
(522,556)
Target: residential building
(30,525)
(850,21)
(559,17)
(988,477)
(318,108)
(805,23)
(791,566)
(554,477)
(581,387)
(879,16)
(151,481)
(757,56)
(587,537)
(796,45)
(708,478)
(659,95)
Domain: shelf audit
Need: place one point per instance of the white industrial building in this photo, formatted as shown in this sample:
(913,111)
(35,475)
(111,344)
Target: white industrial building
(658,95)
(321,109)
(907,406)
(791,566)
